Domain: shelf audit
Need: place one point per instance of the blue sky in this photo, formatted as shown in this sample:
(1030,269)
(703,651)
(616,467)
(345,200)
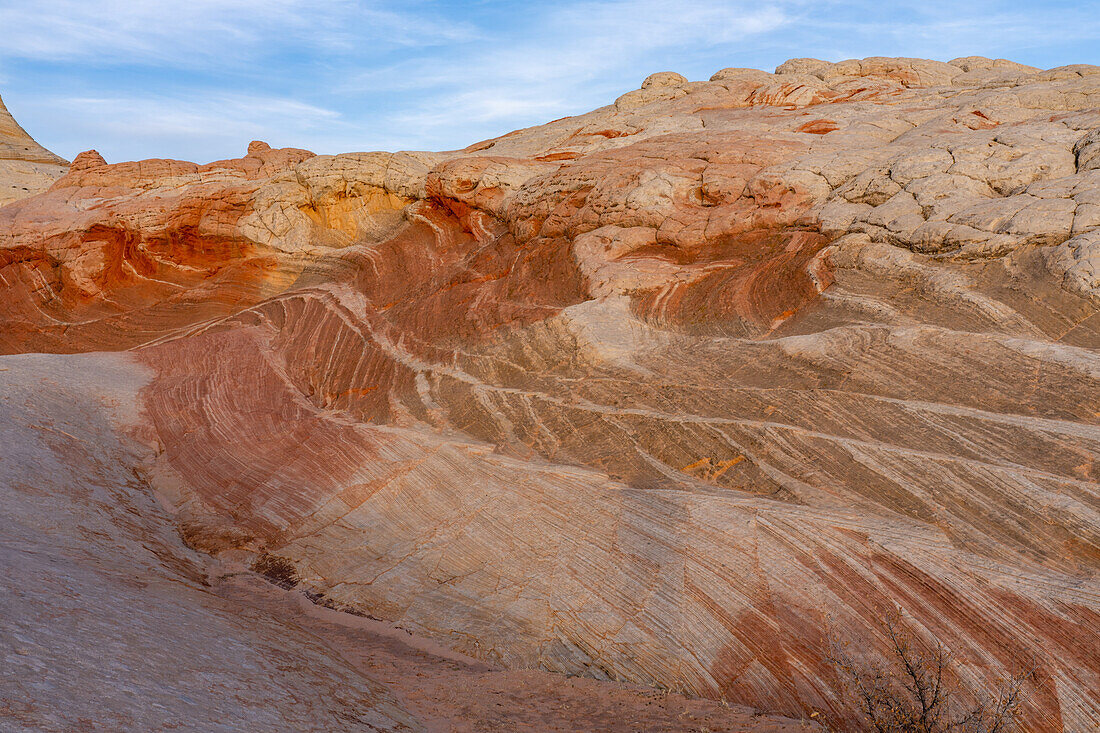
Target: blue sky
(199,79)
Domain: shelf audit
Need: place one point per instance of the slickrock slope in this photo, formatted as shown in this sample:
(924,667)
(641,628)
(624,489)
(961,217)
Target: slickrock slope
(111,623)
(674,392)
(26,168)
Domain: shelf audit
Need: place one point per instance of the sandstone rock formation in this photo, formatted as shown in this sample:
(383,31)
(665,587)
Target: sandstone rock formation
(673,392)
(112,624)
(26,168)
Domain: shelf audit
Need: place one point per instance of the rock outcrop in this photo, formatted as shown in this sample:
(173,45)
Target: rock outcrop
(676,392)
(26,168)
(111,623)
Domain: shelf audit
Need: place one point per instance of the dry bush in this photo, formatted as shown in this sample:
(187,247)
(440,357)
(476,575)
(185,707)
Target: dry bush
(916,692)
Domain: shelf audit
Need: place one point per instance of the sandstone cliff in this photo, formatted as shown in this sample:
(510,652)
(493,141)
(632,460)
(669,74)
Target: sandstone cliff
(671,392)
(26,168)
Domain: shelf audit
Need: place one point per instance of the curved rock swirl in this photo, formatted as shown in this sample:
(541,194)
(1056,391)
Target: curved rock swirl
(671,392)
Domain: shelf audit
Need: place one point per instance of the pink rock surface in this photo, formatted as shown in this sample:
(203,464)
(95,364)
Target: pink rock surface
(671,393)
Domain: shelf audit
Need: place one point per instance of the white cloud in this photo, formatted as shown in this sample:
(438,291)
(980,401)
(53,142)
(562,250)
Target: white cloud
(173,126)
(577,56)
(191,33)
(944,29)
(219,114)
(572,41)
(199,78)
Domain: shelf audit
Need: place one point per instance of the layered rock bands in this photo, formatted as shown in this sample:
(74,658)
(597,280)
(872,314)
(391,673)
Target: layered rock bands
(680,392)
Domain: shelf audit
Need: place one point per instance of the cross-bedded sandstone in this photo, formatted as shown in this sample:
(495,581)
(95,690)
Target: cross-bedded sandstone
(671,392)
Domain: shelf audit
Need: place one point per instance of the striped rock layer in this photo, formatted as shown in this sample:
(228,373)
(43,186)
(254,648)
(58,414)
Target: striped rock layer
(682,391)
(26,168)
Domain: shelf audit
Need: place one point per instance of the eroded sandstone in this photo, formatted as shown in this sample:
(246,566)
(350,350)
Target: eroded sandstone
(673,392)
(26,168)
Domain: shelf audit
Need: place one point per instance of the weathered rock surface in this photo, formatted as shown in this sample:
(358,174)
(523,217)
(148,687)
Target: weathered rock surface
(26,168)
(672,392)
(111,623)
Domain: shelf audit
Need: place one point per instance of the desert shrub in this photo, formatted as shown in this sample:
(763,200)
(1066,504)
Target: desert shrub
(917,691)
(279,570)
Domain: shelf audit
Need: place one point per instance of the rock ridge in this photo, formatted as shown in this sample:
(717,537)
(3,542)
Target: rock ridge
(26,168)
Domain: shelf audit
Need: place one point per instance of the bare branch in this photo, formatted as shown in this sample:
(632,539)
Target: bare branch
(914,695)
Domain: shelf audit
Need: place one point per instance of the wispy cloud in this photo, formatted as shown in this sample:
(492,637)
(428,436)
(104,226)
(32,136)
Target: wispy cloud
(583,41)
(576,55)
(202,32)
(944,29)
(199,78)
(174,115)
(176,126)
